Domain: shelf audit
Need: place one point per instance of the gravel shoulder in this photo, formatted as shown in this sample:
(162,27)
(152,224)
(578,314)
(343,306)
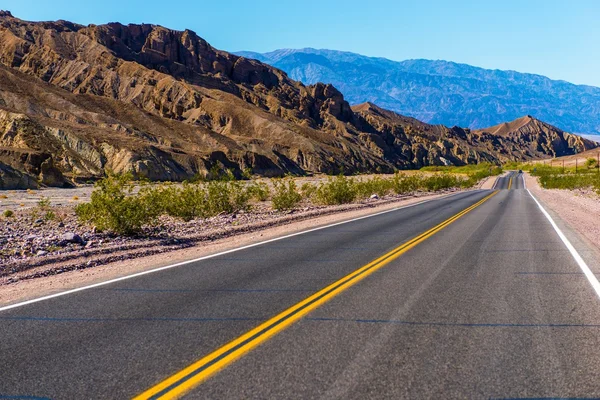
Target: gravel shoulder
(578,208)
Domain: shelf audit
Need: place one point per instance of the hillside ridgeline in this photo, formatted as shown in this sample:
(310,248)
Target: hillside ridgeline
(77,101)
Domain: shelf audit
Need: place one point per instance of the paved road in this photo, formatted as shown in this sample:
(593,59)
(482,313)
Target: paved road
(490,305)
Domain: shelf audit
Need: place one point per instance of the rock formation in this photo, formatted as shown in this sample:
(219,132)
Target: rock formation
(78,101)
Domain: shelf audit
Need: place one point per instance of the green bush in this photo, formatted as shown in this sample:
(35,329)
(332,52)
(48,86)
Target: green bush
(437,182)
(8,213)
(591,163)
(112,207)
(376,185)
(187,202)
(218,198)
(308,190)
(197,200)
(338,190)
(286,195)
(240,197)
(567,178)
(402,184)
(258,191)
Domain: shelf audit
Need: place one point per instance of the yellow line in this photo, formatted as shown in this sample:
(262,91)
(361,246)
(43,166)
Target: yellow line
(510,182)
(191,376)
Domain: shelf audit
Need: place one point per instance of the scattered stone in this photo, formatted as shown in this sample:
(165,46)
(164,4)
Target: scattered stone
(71,237)
(61,224)
(374,197)
(41,253)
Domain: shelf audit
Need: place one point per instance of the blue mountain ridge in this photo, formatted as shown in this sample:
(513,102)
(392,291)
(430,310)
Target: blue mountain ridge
(443,92)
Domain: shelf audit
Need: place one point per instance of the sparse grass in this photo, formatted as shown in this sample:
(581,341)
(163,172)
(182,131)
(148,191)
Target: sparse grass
(3,196)
(52,248)
(44,203)
(49,216)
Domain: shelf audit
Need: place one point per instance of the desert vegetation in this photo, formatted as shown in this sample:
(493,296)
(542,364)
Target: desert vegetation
(585,176)
(115,206)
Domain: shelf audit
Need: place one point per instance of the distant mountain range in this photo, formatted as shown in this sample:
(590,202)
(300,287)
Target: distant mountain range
(77,102)
(442,92)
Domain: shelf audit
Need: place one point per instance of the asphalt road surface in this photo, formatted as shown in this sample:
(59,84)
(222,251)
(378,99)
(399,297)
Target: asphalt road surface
(473,295)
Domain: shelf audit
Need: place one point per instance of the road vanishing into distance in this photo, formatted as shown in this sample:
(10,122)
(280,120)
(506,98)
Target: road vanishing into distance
(472,295)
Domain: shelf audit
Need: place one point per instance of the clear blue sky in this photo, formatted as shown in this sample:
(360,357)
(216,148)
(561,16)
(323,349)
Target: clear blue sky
(559,39)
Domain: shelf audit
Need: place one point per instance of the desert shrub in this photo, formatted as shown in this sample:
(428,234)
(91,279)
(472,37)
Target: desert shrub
(247,173)
(218,198)
(285,194)
(308,190)
(240,196)
(591,163)
(440,181)
(472,174)
(568,178)
(187,202)
(338,190)
(49,215)
(258,191)
(8,213)
(112,207)
(197,200)
(376,185)
(402,183)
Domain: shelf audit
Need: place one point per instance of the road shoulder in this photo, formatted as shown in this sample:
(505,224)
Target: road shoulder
(577,214)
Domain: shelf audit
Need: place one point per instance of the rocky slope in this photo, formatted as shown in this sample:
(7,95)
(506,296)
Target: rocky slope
(442,92)
(78,101)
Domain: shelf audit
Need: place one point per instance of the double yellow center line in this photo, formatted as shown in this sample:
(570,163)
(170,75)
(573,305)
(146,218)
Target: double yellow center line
(186,379)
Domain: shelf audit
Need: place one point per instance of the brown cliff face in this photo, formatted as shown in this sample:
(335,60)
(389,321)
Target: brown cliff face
(533,138)
(77,101)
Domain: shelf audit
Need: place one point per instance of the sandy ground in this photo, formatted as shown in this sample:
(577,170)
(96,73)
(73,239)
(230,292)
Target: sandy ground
(580,209)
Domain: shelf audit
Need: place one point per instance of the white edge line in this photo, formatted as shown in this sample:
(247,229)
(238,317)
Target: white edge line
(496,182)
(497,179)
(95,285)
(584,267)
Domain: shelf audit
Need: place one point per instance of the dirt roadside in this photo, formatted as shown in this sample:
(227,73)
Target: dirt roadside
(578,208)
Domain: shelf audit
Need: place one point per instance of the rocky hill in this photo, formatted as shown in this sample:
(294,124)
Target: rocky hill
(442,92)
(77,101)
